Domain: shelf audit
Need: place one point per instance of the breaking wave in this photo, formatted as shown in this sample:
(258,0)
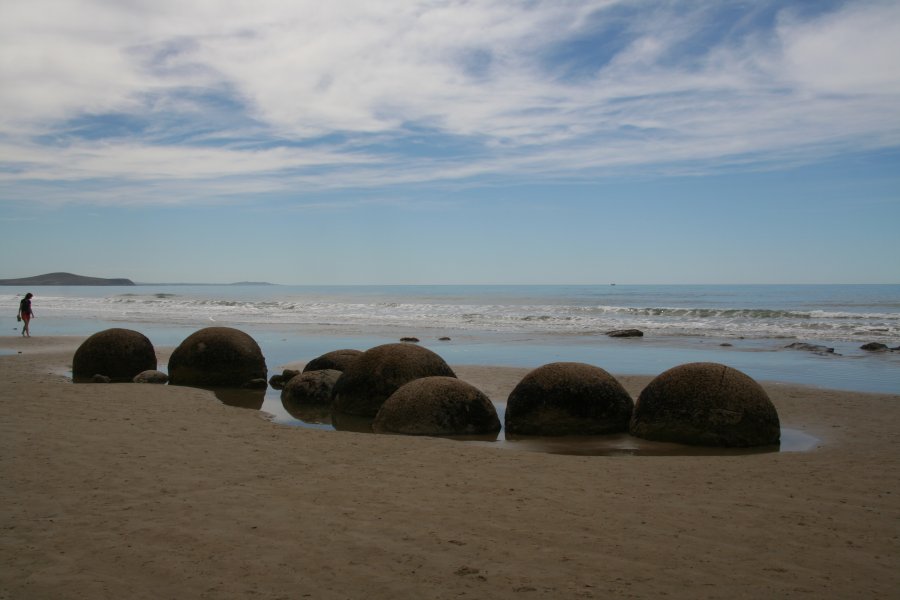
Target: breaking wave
(517,317)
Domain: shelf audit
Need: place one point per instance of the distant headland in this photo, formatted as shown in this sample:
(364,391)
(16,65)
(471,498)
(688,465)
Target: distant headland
(64,279)
(72,279)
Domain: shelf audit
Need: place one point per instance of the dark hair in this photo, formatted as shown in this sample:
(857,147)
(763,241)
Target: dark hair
(28,296)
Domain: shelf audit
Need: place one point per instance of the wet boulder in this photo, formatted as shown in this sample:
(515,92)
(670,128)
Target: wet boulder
(625,333)
(706,404)
(310,388)
(568,398)
(875,347)
(307,397)
(119,354)
(379,372)
(217,357)
(817,348)
(437,406)
(337,360)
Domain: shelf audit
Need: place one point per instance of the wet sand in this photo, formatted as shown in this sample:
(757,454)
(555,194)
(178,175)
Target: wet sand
(143,491)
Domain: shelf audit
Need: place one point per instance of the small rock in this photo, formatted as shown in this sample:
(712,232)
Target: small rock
(444,339)
(725,345)
(409,339)
(625,333)
(810,347)
(151,376)
(874,347)
(280,380)
(100,379)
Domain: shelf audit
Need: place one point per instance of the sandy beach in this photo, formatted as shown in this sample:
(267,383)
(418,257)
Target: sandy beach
(142,491)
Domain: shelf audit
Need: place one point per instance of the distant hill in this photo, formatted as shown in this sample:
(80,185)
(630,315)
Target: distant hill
(64,279)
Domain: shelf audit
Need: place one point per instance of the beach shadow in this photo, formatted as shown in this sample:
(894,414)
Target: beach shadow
(241,398)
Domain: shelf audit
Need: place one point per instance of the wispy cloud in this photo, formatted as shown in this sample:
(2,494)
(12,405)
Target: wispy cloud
(194,101)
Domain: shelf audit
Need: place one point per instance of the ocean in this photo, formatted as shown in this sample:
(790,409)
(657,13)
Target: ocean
(744,326)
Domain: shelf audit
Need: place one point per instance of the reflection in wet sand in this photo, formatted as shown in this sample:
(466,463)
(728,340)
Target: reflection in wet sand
(313,414)
(792,440)
(624,444)
(344,422)
(241,398)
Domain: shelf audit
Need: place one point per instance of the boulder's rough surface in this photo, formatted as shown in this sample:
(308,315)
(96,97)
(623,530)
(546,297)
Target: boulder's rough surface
(151,376)
(379,372)
(568,398)
(706,404)
(119,354)
(310,388)
(437,406)
(337,360)
(217,357)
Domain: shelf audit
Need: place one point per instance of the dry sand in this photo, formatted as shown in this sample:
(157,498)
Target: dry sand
(142,491)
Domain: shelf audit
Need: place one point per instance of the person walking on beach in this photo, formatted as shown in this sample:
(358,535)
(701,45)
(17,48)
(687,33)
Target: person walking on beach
(25,313)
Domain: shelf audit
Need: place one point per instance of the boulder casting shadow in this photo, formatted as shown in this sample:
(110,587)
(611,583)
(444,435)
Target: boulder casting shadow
(706,404)
(437,406)
(379,372)
(217,357)
(568,398)
(119,354)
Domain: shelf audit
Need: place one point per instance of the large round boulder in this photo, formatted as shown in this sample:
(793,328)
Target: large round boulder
(337,360)
(217,357)
(437,406)
(568,398)
(379,372)
(119,354)
(706,404)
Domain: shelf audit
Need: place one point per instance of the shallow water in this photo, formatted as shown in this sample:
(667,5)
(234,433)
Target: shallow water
(521,326)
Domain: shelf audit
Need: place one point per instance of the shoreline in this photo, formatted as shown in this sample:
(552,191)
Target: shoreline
(144,491)
(850,368)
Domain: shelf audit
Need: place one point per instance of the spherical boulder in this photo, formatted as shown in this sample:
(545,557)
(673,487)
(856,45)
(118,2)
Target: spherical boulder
(337,360)
(379,372)
(706,404)
(437,406)
(568,398)
(217,357)
(119,354)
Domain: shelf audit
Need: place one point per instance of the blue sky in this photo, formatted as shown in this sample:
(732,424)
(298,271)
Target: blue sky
(450,141)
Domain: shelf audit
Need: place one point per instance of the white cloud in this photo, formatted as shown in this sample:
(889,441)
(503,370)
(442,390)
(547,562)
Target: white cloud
(854,51)
(477,74)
